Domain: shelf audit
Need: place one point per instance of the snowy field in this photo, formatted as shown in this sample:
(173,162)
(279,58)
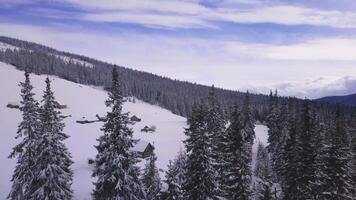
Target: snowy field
(85,102)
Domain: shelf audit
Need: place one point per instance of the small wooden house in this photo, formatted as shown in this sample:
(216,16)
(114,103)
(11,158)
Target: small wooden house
(143,148)
(135,119)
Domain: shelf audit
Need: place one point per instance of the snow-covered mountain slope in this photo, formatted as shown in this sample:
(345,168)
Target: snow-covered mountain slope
(82,101)
(5,46)
(67,59)
(85,101)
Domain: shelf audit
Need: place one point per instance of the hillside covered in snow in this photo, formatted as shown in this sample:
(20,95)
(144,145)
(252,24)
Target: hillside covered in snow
(84,103)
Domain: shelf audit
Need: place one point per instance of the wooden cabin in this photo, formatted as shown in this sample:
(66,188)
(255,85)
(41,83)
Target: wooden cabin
(143,148)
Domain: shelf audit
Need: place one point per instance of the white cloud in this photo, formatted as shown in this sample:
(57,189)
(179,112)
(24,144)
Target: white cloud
(151,20)
(324,49)
(185,13)
(318,87)
(172,6)
(192,59)
(287,15)
(320,49)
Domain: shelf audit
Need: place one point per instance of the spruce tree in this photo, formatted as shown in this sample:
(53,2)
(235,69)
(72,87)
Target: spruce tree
(353,152)
(175,177)
(150,179)
(262,172)
(199,180)
(306,168)
(53,176)
(339,185)
(28,132)
(248,121)
(283,127)
(115,164)
(289,169)
(215,129)
(236,160)
(320,183)
(248,126)
(274,131)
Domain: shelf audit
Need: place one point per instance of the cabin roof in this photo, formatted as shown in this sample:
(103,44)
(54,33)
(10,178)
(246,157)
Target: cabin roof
(140,146)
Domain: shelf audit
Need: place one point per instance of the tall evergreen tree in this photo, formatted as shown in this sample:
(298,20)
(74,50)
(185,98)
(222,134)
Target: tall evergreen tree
(283,132)
(248,127)
(338,171)
(248,120)
(320,183)
(175,177)
(150,179)
(215,129)
(262,172)
(25,151)
(53,176)
(290,155)
(199,180)
(236,160)
(115,164)
(353,152)
(307,171)
(274,131)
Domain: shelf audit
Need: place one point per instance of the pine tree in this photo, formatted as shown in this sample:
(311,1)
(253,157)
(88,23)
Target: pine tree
(274,131)
(115,165)
(320,183)
(199,180)
(262,173)
(25,150)
(283,127)
(248,127)
(215,129)
(306,168)
(236,160)
(175,177)
(53,176)
(353,152)
(150,180)
(289,170)
(338,171)
(248,120)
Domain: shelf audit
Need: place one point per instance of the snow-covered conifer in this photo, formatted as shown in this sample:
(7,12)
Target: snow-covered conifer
(320,163)
(248,126)
(290,156)
(308,126)
(150,179)
(353,152)
(25,150)
(274,131)
(248,120)
(115,164)
(199,180)
(215,121)
(276,156)
(262,172)
(236,160)
(175,176)
(53,176)
(339,185)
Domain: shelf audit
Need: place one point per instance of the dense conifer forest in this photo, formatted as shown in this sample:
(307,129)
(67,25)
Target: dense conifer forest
(174,95)
(310,155)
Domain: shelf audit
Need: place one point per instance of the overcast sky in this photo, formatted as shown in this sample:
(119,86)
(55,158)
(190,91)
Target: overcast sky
(302,47)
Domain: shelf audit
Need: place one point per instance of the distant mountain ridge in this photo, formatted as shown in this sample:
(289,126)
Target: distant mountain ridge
(349,100)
